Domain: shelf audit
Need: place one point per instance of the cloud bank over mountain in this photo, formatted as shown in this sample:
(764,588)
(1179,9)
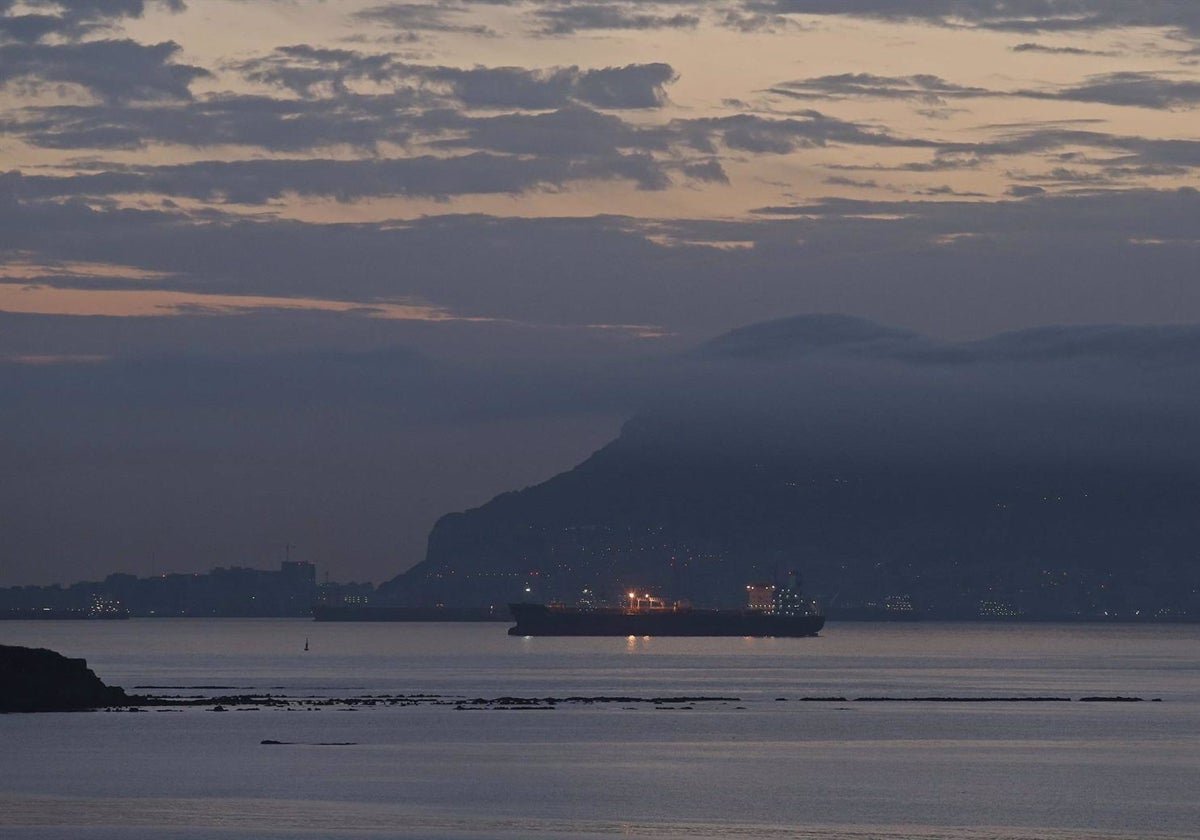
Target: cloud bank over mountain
(545,203)
(186,442)
(1052,471)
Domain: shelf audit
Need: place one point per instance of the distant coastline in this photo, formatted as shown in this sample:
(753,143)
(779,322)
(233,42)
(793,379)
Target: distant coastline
(488,614)
(47,614)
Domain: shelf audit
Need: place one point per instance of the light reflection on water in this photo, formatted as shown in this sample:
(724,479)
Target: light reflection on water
(764,765)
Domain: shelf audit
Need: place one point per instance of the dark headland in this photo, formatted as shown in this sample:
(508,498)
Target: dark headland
(40,680)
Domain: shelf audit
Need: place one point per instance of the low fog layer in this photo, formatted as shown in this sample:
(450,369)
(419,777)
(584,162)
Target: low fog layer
(877,461)
(181,463)
(837,387)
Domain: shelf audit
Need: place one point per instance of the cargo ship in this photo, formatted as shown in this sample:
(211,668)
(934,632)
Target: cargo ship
(782,613)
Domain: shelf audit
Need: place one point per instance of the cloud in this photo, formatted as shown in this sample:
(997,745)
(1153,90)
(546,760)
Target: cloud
(34,20)
(564,17)
(750,22)
(1127,155)
(824,390)
(58,294)
(1022,191)
(843,181)
(567,131)
(761,135)
(820,390)
(1046,49)
(115,71)
(568,19)
(809,334)
(921,87)
(1134,89)
(470,154)
(306,70)
(443,120)
(261,181)
(362,122)
(1105,255)
(405,117)
(1130,150)
(1134,211)
(1102,354)
(1063,176)
(423,17)
(366,121)
(32,28)
(1126,88)
(709,170)
(631,86)
(1007,15)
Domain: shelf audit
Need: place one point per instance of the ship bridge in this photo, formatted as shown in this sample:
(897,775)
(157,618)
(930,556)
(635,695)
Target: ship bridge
(647,603)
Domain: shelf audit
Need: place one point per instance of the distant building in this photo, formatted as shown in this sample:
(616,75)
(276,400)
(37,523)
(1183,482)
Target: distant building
(345,594)
(993,608)
(225,591)
(901,604)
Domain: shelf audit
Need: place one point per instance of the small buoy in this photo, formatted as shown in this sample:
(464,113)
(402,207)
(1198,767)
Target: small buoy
(306,644)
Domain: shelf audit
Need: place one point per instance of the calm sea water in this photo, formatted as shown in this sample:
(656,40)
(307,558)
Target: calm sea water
(766,764)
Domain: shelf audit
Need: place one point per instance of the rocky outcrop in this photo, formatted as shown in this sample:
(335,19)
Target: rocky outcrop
(40,680)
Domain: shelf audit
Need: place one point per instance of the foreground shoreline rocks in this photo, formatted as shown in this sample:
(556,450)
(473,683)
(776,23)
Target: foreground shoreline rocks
(41,680)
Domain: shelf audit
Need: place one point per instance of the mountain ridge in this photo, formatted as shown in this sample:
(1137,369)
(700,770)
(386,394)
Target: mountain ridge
(1049,473)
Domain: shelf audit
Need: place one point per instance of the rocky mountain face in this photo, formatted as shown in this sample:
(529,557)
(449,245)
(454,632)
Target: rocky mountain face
(1048,474)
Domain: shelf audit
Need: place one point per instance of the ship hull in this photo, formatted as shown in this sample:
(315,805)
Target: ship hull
(542,620)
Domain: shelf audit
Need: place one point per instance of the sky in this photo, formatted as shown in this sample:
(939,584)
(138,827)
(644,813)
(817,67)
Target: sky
(312,274)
